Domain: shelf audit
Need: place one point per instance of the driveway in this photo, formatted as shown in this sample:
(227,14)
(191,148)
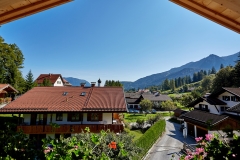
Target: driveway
(170,144)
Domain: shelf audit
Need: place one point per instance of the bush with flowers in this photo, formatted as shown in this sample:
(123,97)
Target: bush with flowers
(91,146)
(213,148)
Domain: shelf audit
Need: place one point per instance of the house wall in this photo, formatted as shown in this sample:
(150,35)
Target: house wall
(106,119)
(212,108)
(229,103)
(56,83)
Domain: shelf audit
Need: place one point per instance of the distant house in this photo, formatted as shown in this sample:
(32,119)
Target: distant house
(73,108)
(214,112)
(55,80)
(7,94)
(133,99)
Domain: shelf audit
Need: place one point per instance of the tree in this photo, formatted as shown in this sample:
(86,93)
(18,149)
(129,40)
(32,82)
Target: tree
(224,78)
(206,83)
(221,66)
(11,61)
(46,82)
(236,75)
(169,106)
(29,81)
(146,105)
(113,83)
(213,70)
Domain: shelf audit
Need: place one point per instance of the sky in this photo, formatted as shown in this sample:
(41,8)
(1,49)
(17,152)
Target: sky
(116,39)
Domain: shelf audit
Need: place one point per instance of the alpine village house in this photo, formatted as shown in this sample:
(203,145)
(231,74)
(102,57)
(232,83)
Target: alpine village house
(219,111)
(72,108)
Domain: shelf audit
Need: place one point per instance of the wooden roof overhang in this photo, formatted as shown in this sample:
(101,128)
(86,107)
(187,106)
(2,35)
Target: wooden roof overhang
(223,12)
(15,9)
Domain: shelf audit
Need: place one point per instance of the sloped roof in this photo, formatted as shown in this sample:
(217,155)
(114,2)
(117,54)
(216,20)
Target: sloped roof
(211,100)
(52,78)
(7,87)
(235,109)
(14,9)
(223,12)
(52,99)
(203,117)
(235,91)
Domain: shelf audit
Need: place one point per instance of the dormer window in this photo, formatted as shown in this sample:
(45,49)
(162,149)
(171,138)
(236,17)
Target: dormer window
(83,94)
(65,93)
(226,98)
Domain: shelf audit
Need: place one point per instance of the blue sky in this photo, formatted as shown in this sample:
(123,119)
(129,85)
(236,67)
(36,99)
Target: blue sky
(116,39)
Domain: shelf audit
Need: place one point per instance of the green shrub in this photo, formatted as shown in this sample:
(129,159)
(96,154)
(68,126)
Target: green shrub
(150,137)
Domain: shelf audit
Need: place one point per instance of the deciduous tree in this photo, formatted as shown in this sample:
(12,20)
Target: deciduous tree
(11,61)
(146,105)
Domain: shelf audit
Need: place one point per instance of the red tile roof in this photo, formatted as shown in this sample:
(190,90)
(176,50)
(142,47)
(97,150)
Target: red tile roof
(7,87)
(51,99)
(52,77)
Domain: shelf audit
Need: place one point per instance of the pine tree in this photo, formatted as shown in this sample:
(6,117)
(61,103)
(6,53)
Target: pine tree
(221,66)
(29,81)
(213,70)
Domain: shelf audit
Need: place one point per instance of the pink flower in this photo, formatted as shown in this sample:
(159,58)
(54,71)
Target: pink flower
(209,137)
(199,150)
(233,155)
(198,139)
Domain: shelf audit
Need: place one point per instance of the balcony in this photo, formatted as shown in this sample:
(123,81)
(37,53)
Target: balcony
(47,129)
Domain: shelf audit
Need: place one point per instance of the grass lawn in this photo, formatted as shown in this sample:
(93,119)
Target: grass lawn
(133,117)
(136,133)
(9,115)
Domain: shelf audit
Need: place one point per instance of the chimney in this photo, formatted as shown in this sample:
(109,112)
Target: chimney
(50,74)
(82,84)
(99,82)
(93,84)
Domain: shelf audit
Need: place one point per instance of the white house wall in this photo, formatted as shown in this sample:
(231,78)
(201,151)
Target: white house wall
(212,108)
(106,119)
(229,103)
(59,79)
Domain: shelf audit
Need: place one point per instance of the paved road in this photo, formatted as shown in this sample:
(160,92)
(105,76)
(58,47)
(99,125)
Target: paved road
(170,144)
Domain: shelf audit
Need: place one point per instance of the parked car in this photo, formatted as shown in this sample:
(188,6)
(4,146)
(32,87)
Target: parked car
(154,111)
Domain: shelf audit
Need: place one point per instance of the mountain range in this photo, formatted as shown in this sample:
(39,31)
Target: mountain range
(76,81)
(188,69)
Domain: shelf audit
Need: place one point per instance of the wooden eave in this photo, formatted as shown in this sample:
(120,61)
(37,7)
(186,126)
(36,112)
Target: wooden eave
(11,10)
(223,12)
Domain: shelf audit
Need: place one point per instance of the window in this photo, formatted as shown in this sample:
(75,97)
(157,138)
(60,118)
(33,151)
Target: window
(83,94)
(40,118)
(235,98)
(59,117)
(74,117)
(94,116)
(226,98)
(65,93)
(58,82)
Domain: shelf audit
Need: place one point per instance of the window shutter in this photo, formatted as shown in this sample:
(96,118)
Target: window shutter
(69,118)
(88,116)
(100,116)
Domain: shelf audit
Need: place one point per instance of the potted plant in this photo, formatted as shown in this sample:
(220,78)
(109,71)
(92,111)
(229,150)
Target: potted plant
(8,99)
(1,100)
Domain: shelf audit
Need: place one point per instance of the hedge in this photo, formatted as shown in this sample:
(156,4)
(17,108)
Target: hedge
(150,137)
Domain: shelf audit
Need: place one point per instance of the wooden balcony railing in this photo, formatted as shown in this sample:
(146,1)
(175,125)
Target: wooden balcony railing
(47,129)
